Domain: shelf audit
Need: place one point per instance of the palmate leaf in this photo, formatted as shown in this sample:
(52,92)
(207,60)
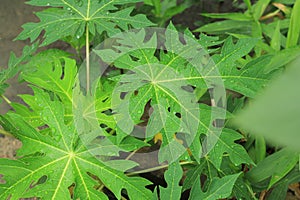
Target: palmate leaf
(51,167)
(58,74)
(248,79)
(226,144)
(219,188)
(71,18)
(150,78)
(218,183)
(172,176)
(166,82)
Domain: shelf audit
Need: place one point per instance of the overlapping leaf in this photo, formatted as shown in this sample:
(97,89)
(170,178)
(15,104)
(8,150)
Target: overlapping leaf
(57,74)
(153,81)
(73,18)
(165,81)
(53,162)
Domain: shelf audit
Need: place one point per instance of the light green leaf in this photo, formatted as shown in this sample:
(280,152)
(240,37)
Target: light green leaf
(70,18)
(225,26)
(47,75)
(166,84)
(282,58)
(231,16)
(294,28)
(54,161)
(276,38)
(259,8)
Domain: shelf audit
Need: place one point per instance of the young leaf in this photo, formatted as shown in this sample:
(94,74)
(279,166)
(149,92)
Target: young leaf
(52,163)
(71,18)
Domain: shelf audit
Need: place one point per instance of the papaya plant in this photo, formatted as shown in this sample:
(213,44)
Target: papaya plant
(145,100)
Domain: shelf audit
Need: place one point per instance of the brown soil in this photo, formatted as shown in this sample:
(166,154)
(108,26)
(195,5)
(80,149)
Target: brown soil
(13,13)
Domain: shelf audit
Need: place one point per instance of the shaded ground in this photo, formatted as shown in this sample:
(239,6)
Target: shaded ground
(13,13)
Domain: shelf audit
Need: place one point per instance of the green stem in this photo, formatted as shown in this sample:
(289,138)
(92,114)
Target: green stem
(87,53)
(158,168)
(3,132)
(6,99)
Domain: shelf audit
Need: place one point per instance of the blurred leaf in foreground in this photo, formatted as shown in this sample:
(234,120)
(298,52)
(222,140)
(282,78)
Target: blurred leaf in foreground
(276,113)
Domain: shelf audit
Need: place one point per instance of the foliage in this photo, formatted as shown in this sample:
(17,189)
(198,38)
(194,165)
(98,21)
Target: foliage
(88,127)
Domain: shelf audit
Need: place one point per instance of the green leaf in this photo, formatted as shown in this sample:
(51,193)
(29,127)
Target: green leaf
(282,58)
(225,26)
(219,188)
(259,8)
(268,117)
(52,162)
(294,29)
(284,160)
(248,79)
(163,83)
(71,18)
(231,16)
(270,29)
(276,38)
(52,76)
(192,176)
(172,177)
(14,65)
(278,192)
(226,144)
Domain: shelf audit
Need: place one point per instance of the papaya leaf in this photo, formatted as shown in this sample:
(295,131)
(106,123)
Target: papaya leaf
(247,79)
(73,18)
(161,83)
(172,177)
(53,76)
(166,82)
(226,144)
(219,188)
(51,163)
(58,76)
